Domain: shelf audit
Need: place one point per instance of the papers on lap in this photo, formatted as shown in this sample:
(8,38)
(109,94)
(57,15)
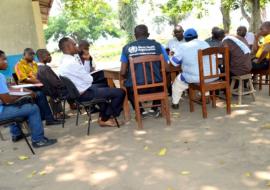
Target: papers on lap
(19,93)
(95,71)
(27,85)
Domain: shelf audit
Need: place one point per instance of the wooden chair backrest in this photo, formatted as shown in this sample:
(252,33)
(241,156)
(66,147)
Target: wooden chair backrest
(215,56)
(147,63)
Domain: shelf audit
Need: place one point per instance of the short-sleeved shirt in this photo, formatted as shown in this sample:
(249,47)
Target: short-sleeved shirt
(266,40)
(174,43)
(3,89)
(240,63)
(72,68)
(26,70)
(140,48)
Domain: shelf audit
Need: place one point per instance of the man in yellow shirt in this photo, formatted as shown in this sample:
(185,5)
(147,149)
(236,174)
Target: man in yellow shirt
(26,69)
(262,50)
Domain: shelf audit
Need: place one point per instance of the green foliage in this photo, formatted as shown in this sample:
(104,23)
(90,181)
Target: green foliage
(83,19)
(177,10)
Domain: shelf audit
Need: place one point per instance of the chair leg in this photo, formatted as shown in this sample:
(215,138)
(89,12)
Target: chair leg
(64,113)
(27,142)
(260,82)
(77,117)
(167,112)
(204,111)
(214,99)
(88,111)
(191,98)
(240,92)
(138,115)
(232,85)
(228,100)
(251,88)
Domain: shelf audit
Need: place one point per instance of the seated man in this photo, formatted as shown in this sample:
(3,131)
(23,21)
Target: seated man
(176,41)
(53,86)
(146,47)
(29,111)
(87,60)
(72,68)
(262,50)
(26,70)
(188,59)
(240,60)
(217,36)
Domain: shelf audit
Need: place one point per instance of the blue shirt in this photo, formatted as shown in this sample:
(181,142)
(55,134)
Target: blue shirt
(3,89)
(140,48)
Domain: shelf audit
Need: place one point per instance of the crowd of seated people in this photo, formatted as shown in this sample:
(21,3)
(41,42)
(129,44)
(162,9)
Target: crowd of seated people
(77,65)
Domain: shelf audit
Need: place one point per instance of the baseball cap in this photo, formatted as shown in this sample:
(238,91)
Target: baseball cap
(190,33)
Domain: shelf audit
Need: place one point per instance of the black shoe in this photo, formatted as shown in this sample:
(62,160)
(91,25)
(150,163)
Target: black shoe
(175,106)
(44,142)
(18,138)
(54,122)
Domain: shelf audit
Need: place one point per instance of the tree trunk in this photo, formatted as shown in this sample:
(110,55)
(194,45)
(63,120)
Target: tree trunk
(255,16)
(225,10)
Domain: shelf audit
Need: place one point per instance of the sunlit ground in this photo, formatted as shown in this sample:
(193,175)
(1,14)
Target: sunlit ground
(219,153)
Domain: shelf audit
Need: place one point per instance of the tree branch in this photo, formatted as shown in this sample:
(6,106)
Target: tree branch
(243,11)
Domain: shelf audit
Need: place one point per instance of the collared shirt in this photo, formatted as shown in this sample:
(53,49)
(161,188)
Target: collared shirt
(174,43)
(3,89)
(72,68)
(266,40)
(188,58)
(26,70)
(140,48)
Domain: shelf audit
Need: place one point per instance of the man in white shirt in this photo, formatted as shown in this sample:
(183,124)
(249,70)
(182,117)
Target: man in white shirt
(187,57)
(177,40)
(72,68)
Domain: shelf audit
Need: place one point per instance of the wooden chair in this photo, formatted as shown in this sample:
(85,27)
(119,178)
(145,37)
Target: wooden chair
(223,81)
(147,64)
(262,81)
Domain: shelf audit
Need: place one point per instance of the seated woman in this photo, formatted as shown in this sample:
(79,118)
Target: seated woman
(261,50)
(29,111)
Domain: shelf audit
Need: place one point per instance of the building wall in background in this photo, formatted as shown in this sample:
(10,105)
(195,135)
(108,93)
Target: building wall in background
(20,27)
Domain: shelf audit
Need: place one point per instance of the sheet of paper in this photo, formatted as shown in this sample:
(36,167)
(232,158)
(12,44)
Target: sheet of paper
(19,93)
(27,85)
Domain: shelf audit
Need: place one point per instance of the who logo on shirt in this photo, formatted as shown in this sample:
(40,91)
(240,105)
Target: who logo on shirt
(133,49)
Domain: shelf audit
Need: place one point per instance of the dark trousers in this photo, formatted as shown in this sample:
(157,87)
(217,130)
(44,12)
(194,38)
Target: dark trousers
(261,66)
(130,94)
(116,95)
(45,111)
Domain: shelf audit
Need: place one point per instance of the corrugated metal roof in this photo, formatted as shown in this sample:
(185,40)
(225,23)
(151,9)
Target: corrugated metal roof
(45,6)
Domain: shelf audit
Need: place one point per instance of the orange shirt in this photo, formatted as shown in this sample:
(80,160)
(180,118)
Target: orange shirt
(26,70)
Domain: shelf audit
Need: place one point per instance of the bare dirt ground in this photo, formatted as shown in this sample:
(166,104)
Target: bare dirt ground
(219,153)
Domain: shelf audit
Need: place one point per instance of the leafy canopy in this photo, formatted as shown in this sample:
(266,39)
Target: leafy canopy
(83,19)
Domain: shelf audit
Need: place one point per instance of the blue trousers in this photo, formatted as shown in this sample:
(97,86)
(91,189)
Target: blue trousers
(29,111)
(116,95)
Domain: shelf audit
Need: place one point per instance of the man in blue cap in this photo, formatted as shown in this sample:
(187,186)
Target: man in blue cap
(187,57)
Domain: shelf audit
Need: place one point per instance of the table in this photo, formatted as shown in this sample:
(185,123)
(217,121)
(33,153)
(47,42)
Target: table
(114,74)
